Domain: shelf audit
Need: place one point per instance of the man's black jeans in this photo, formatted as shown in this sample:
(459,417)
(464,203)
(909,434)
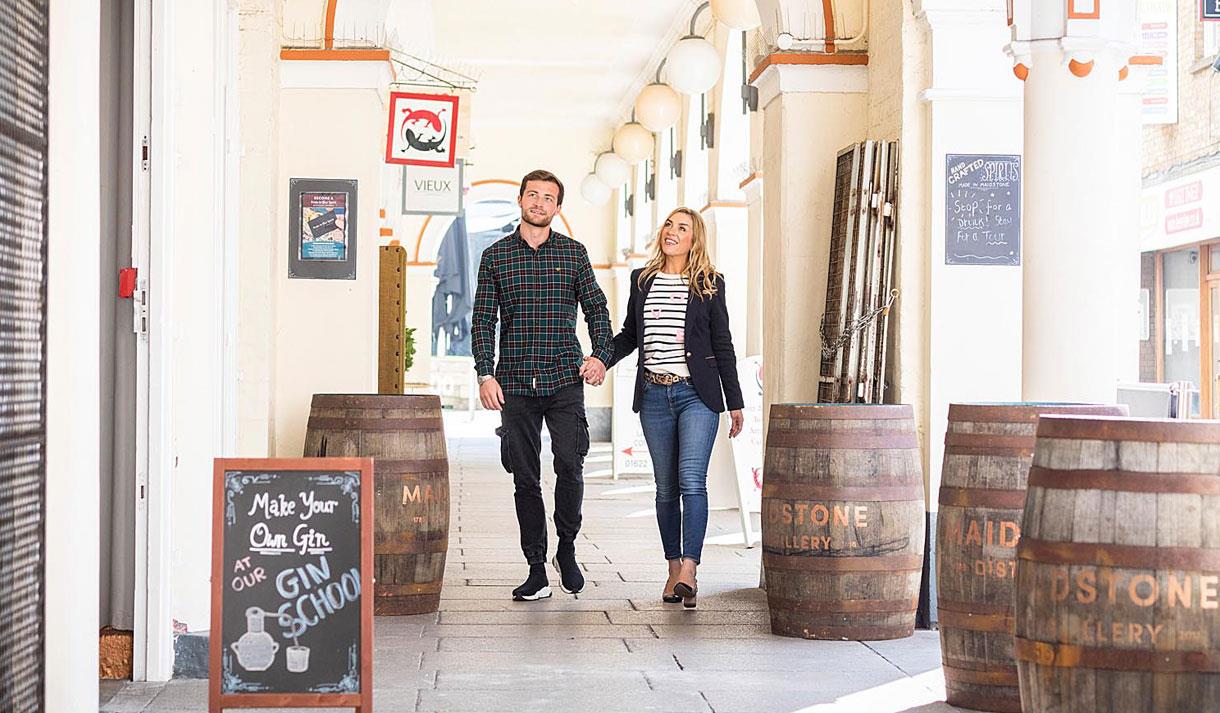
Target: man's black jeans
(521,451)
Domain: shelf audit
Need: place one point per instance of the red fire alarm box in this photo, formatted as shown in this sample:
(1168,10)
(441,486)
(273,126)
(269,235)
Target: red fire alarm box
(127,282)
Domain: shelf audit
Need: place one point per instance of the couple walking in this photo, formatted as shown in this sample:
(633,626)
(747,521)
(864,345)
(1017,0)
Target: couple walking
(531,282)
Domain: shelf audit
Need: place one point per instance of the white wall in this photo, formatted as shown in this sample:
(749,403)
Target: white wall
(73,379)
(326,330)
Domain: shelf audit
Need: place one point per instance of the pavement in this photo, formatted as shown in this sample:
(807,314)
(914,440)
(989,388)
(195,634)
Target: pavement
(614,648)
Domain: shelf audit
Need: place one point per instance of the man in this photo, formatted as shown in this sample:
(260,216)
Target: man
(531,281)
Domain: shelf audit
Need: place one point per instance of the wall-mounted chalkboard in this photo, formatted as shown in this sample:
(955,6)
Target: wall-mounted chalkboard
(292,571)
(982,209)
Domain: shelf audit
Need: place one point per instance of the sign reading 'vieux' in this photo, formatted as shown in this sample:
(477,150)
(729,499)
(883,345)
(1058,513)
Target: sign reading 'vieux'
(292,583)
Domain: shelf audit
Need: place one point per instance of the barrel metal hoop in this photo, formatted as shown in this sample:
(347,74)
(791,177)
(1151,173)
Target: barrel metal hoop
(842,440)
(1025,413)
(979,498)
(1045,653)
(974,607)
(376,424)
(896,564)
(842,412)
(990,441)
(1129,429)
(1125,481)
(844,606)
(1191,559)
(388,466)
(998,676)
(998,623)
(994,451)
(981,702)
(796,491)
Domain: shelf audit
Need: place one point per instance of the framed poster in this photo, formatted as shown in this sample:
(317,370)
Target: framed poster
(292,583)
(422,129)
(432,190)
(982,209)
(322,229)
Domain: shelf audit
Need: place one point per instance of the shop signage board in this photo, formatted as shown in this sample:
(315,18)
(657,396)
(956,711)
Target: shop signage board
(292,583)
(1209,9)
(982,209)
(432,190)
(422,129)
(1158,37)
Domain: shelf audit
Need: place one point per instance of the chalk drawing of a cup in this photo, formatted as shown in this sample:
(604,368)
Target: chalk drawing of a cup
(298,659)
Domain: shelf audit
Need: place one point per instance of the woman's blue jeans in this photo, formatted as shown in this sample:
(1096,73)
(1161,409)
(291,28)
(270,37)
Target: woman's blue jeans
(680,430)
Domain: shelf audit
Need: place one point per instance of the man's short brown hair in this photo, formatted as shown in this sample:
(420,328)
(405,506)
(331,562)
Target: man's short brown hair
(541,175)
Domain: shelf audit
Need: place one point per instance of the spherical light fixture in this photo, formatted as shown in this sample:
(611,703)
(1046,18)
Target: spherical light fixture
(658,107)
(593,190)
(693,65)
(737,14)
(633,143)
(784,41)
(611,169)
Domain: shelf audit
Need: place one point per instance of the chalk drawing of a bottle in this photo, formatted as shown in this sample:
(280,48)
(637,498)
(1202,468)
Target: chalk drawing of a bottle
(255,649)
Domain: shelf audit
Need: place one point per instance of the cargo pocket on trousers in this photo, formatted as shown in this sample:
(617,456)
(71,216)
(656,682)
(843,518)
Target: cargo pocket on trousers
(582,439)
(506,459)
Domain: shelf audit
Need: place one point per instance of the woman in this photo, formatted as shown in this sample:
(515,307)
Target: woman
(677,318)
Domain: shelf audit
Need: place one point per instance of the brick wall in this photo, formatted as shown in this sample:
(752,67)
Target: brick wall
(1148,346)
(1197,133)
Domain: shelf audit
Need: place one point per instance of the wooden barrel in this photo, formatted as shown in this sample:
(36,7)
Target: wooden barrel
(405,437)
(1118,568)
(843,521)
(988,449)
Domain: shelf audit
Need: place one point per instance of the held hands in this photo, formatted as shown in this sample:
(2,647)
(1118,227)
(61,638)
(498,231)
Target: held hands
(593,371)
(491,395)
(738,421)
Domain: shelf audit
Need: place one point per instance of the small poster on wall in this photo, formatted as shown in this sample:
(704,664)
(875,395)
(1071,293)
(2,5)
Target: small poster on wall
(422,129)
(322,229)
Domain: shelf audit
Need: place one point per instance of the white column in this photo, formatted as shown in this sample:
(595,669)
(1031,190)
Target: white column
(753,329)
(799,163)
(1079,251)
(73,391)
(727,235)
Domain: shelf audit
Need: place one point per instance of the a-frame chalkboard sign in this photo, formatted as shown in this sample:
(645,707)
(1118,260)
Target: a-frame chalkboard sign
(292,584)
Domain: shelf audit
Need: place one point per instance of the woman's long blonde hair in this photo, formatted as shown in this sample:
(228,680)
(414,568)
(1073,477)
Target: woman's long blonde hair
(699,272)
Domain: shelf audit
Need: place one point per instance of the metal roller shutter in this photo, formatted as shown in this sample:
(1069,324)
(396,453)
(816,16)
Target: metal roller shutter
(23,239)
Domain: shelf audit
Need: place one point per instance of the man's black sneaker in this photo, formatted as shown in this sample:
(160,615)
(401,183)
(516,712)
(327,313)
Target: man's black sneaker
(536,587)
(570,577)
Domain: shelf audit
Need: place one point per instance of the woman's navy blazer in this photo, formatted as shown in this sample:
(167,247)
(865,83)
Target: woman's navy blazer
(709,346)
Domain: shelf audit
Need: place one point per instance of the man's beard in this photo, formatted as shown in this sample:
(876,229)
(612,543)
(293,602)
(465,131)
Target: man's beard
(535,221)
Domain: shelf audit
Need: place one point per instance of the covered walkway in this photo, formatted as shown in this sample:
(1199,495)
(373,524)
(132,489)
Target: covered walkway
(613,648)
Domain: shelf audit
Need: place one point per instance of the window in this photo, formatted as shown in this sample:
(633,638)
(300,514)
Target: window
(1182,321)
(1211,40)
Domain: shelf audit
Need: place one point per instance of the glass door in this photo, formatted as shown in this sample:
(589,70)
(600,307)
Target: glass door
(1213,371)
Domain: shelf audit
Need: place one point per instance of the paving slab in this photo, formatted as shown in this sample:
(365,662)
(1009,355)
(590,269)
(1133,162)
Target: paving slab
(561,700)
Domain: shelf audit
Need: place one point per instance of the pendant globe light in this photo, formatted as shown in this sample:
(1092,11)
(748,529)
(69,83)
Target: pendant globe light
(611,169)
(693,64)
(593,190)
(658,107)
(633,143)
(737,14)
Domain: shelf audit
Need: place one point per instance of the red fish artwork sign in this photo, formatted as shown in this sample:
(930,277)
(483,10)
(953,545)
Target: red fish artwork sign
(423,129)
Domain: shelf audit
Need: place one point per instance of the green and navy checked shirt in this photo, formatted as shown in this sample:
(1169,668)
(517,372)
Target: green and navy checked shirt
(533,294)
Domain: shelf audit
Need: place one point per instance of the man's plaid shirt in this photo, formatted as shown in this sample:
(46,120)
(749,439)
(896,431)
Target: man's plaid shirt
(535,293)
